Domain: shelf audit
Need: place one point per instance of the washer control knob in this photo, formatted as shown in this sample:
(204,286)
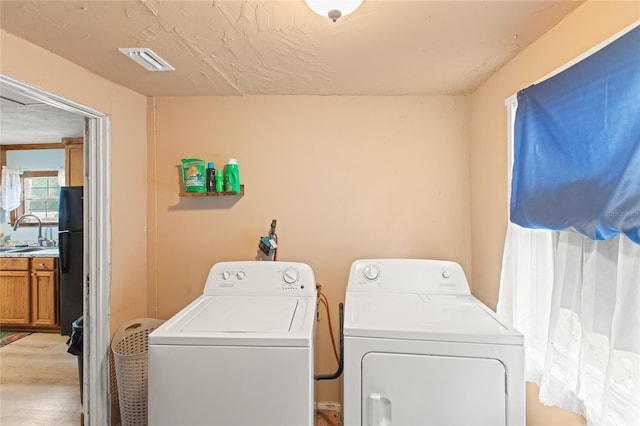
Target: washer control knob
(371,272)
(241,274)
(290,275)
(446,274)
(226,275)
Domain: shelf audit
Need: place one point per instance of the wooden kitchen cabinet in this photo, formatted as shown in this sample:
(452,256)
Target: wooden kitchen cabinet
(29,293)
(15,279)
(44,300)
(74,161)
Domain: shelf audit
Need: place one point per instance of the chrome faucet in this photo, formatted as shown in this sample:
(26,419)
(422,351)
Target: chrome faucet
(39,226)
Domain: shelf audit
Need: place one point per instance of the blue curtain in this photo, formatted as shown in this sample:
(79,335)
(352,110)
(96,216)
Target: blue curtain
(577,146)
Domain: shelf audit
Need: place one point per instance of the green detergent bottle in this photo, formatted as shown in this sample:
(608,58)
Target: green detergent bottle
(232,176)
(219,180)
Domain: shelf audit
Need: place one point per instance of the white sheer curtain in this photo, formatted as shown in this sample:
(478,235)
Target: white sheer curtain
(10,189)
(577,301)
(61,176)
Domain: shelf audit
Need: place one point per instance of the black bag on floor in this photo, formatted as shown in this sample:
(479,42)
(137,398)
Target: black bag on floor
(75,340)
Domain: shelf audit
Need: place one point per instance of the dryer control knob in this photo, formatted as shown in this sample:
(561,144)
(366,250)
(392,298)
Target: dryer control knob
(446,274)
(226,275)
(241,274)
(371,272)
(290,275)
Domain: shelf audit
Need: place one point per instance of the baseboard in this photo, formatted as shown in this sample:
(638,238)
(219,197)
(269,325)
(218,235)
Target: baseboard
(329,406)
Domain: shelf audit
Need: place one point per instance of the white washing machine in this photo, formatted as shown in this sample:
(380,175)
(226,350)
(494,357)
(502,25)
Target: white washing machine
(242,353)
(420,350)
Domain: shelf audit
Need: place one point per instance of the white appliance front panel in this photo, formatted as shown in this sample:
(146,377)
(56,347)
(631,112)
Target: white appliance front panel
(228,386)
(424,276)
(357,348)
(427,390)
(244,314)
(255,278)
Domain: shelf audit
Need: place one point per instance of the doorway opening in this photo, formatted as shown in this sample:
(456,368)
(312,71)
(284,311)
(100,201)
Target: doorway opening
(96,286)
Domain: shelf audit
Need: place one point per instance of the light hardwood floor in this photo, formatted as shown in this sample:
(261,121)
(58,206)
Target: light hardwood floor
(39,382)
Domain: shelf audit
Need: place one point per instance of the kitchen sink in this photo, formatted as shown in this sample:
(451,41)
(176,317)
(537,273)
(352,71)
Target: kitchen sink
(28,249)
(22,249)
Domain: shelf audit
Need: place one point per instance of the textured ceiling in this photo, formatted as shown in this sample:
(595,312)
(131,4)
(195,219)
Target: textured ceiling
(24,121)
(281,47)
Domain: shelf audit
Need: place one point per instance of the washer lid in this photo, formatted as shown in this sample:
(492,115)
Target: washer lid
(240,321)
(244,315)
(461,318)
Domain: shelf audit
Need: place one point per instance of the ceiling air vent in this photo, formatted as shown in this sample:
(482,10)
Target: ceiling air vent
(147,58)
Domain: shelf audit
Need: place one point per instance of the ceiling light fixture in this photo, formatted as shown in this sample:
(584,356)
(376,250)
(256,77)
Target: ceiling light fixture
(147,58)
(333,8)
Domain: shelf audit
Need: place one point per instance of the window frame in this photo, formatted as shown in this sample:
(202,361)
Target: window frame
(538,299)
(20,210)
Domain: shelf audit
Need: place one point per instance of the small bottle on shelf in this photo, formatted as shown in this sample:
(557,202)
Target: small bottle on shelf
(219,185)
(211,177)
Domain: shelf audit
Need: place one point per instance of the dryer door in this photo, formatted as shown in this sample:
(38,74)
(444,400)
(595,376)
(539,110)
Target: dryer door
(405,389)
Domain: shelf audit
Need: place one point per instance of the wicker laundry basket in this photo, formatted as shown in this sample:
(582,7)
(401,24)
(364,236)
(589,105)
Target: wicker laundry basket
(130,347)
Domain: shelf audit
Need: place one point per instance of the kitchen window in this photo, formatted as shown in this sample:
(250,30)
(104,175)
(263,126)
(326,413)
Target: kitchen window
(40,192)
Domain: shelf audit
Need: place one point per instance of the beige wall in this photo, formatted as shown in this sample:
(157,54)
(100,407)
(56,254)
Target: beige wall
(346,178)
(587,26)
(32,64)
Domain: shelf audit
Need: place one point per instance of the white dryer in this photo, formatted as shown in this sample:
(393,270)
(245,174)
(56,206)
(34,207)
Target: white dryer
(242,353)
(420,350)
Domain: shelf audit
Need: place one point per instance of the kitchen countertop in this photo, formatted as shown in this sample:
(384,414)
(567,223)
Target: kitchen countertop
(29,252)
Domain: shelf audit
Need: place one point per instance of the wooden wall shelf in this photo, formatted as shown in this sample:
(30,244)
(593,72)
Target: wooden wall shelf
(212,194)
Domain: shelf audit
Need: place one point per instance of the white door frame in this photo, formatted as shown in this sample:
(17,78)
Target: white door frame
(97,243)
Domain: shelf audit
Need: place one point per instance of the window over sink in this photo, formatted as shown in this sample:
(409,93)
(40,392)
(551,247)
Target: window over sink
(40,192)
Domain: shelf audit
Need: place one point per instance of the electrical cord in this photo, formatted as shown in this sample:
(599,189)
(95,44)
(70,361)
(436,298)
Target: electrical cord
(338,372)
(333,341)
(325,302)
(339,358)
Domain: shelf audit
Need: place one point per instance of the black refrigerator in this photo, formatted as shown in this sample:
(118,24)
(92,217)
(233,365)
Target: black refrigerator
(70,241)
